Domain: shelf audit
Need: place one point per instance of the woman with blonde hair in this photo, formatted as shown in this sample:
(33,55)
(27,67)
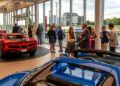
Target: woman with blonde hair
(71,39)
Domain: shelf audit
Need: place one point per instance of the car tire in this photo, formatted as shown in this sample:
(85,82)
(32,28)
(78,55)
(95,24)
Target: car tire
(4,55)
(32,53)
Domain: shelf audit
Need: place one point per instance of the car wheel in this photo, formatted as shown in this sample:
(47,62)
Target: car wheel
(4,55)
(32,53)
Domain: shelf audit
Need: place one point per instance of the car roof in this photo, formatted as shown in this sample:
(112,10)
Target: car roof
(98,65)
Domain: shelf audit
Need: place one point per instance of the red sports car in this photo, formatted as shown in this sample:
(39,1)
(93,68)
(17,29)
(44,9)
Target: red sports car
(17,43)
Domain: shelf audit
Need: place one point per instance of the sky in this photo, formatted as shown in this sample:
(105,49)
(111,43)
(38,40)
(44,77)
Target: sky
(112,9)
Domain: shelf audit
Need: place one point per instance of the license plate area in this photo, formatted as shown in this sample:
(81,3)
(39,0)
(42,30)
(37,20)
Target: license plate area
(24,50)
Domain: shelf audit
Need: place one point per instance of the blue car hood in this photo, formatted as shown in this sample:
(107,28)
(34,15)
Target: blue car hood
(14,79)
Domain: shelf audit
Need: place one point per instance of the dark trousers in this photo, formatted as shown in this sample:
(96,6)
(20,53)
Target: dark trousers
(39,39)
(112,49)
(60,45)
(93,44)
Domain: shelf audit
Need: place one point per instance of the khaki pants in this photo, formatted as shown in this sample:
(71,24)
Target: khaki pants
(52,47)
(104,46)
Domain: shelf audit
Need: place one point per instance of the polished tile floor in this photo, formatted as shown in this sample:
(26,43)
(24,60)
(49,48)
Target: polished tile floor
(7,68)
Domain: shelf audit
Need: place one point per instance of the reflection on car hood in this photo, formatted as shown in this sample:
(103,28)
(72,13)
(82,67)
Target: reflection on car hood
(18,40)
(14,79)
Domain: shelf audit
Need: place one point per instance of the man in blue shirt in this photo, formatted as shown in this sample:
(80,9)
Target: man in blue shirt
(61,36)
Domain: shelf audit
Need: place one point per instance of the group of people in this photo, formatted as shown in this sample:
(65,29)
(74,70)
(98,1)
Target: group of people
(38,32)
(86,40)
(31,31)
(110,38)
(53,36)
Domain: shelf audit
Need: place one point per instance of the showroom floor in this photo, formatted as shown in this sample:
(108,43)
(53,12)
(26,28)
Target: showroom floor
(8,67)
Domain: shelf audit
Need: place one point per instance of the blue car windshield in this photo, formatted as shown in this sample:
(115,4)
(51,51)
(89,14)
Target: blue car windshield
(83,76)
(66,74)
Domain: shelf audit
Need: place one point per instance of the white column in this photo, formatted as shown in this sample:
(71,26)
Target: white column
(71,12)
(98,21)
(102,11)
(84,10)
(13,17)
(51,8)
(4,19)
(56,14)
(59,12)
(44,19)
(36,14)
(32,13)
(8,21)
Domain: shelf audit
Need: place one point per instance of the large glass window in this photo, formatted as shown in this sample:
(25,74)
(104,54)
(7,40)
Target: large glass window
(77,15)
(55,11)
(47,13)
(90,12)
(33,13)
(65,7)
(112,14)
(41,13)
(19,11)
(1,17)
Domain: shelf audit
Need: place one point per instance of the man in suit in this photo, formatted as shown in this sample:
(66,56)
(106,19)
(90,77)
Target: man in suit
(84,40)
(113,38)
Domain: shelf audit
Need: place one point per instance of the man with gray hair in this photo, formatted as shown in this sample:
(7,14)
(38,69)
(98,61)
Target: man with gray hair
(84,42)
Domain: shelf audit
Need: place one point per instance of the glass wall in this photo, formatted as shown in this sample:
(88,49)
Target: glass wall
(47,13)
(112,13)
(90,12)
(65,7)
(41,13)
(1,22)
(33,13)
(77,15)
(56,12)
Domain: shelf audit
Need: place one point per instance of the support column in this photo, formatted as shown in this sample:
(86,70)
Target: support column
(4,19)
(84,10)
(56,20)
(98,21)
(14,21)
(59,12)
(32,13)
(71,12)
(7,27)
(102,13)
(51,8)
(43,20)
(36,14)
(27,19)
(9,22)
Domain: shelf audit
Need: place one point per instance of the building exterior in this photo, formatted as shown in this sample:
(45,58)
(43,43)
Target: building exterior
(75,18)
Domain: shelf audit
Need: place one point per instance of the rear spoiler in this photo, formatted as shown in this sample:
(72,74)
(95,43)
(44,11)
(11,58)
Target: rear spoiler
(97,52)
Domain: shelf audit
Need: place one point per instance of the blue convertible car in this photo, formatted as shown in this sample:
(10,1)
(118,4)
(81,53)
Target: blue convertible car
(65,71)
